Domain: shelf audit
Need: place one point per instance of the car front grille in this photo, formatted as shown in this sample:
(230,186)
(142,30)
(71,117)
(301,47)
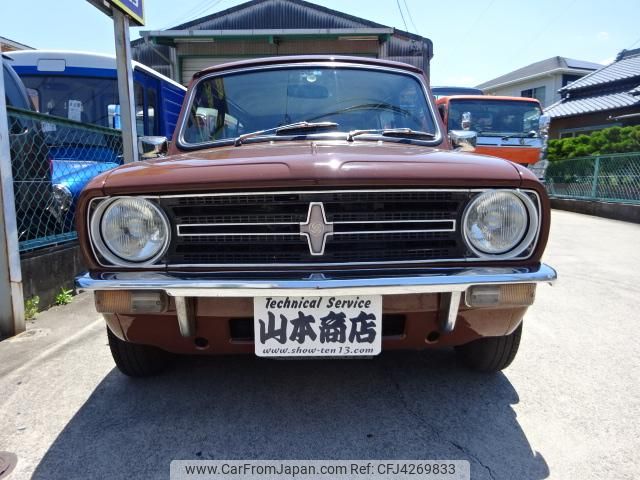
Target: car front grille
(365,227)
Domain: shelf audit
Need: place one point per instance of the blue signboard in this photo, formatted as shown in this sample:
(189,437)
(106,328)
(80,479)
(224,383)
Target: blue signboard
(132,8)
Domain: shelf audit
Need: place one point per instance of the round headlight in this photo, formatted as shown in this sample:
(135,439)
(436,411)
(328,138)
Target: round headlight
(132,230)
(62,197)
(499,223)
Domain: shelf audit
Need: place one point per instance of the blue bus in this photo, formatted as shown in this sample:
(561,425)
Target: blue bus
(448,91)
(82,87)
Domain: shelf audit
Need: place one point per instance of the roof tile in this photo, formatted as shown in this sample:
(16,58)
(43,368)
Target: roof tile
(620,70)
(593,104)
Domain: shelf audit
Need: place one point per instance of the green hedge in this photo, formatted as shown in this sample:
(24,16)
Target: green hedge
(609,140)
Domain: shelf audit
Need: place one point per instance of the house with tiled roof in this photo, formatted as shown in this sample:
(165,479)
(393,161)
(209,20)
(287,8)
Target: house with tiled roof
(540,80)
(607,97)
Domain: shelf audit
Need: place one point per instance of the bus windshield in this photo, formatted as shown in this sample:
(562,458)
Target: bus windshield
(83,99)
(497,117)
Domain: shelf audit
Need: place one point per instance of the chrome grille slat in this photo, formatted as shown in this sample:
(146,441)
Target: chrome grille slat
(367,226)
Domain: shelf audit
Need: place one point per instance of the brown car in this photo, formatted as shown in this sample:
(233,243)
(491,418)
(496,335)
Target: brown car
(313,207)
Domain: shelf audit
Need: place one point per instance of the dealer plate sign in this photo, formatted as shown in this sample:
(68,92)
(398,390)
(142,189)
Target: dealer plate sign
(340,326)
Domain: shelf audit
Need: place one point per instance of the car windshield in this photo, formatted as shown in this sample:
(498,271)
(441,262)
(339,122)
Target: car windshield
(227,106)
(497,117)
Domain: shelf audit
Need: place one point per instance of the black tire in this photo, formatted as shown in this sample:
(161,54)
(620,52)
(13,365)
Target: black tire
(491,354)
(137,360)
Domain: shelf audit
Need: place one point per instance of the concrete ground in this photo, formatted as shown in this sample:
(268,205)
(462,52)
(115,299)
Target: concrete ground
(568,408)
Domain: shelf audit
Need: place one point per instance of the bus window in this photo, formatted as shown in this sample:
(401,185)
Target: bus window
(138,95)
(113,111)
(152,108)
(34,97)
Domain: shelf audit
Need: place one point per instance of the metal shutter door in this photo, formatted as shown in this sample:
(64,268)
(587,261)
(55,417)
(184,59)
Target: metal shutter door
(191,65)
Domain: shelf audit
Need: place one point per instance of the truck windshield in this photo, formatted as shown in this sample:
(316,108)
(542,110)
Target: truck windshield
(497,117)
(227,106)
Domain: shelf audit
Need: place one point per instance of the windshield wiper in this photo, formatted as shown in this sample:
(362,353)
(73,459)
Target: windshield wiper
(291,127)
(392,132)
(531,134)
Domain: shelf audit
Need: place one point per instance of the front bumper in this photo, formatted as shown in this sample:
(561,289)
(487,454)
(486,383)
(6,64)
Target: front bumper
(451,283)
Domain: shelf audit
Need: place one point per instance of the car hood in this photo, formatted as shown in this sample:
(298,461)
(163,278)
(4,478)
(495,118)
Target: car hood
(307,163)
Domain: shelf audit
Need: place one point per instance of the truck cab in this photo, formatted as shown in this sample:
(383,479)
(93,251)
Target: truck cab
(512,128)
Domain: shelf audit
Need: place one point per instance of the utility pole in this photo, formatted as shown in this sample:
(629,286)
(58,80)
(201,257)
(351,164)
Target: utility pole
(123,12)
(125,86)
(11,298)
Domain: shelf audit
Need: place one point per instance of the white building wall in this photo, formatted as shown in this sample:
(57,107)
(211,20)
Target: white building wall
(552,83)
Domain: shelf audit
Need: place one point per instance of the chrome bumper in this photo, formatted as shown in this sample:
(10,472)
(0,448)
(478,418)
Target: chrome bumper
(333,283)
(451,281)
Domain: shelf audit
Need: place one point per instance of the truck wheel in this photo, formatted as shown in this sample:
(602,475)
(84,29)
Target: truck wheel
(491,354)
(137,360)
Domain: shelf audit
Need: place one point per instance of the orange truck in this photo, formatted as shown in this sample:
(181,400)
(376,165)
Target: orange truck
(513,128)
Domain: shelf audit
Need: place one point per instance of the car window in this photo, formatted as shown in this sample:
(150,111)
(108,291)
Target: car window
(355,98)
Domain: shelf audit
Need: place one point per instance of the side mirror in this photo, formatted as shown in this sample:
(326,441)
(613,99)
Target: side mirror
(544,122)
(152,147)
(463,140)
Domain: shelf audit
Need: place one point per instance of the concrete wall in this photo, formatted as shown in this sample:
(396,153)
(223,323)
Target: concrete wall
(46,271)
(616,211)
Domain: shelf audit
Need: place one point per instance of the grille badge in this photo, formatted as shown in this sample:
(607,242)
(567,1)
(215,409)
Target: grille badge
(316,229)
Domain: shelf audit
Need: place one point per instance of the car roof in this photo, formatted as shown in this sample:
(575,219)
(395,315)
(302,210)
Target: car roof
(301,59)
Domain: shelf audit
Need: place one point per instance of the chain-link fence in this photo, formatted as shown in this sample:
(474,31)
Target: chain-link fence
(52,160)
(614,178)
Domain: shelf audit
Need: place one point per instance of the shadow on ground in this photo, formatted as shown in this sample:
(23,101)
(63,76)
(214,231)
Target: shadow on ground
(397,406)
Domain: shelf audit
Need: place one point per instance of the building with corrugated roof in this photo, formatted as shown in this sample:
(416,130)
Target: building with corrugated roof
(604,98)
(540,80)
(261,28)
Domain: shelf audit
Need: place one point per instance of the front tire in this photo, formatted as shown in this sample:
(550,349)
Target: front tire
(136,360)
(491,354)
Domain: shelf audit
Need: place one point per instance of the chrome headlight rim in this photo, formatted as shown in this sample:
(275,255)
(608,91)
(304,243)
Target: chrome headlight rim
(106,253)
(527,240)
(62,196)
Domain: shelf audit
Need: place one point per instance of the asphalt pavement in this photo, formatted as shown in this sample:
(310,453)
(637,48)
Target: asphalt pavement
(567,408)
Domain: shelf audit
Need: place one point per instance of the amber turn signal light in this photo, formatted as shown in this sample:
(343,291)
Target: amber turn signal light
(126,301)
(513,295)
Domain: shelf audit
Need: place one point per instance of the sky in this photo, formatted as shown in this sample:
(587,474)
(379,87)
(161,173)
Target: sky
(473,40)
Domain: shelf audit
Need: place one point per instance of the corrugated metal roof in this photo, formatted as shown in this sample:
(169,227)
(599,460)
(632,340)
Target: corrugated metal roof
(280,14)
(568,108)
(259,14)
(582,64)
(635,91)
(289,14)
(542,66)
(625,68)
